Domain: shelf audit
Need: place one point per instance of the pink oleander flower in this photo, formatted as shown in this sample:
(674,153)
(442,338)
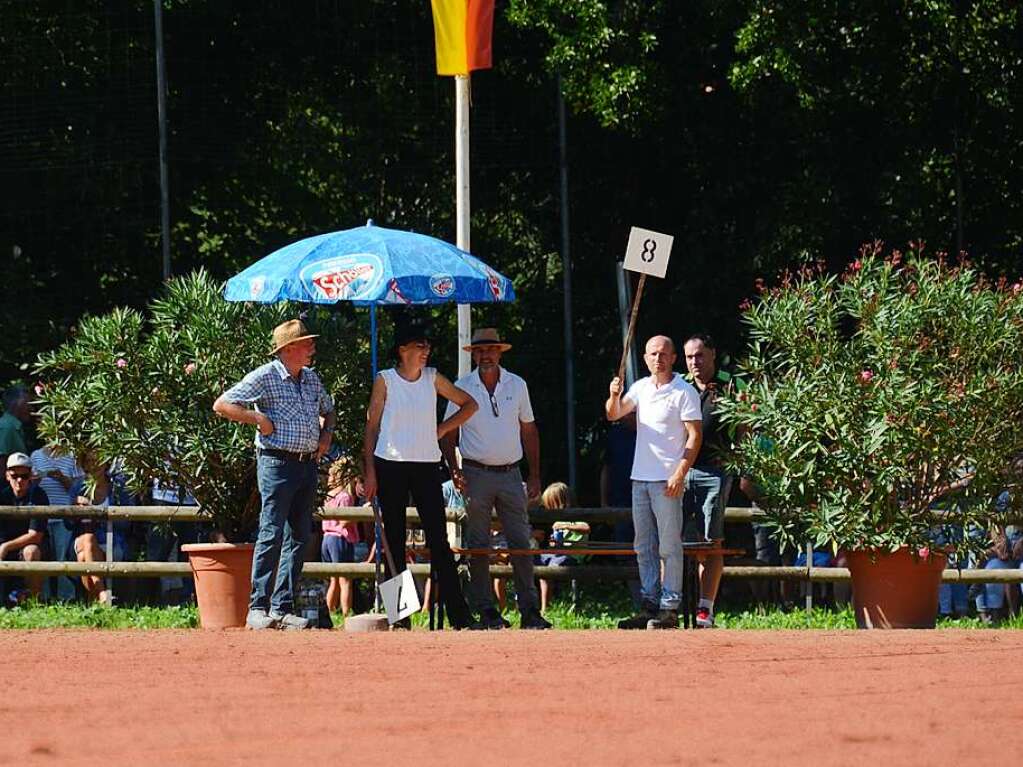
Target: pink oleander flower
(121,362)
(190,368)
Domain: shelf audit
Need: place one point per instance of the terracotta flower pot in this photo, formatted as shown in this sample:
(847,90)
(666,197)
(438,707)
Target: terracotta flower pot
(895,590)
(223,581)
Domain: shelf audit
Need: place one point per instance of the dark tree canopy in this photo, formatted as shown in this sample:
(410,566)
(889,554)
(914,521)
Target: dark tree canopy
(760,134)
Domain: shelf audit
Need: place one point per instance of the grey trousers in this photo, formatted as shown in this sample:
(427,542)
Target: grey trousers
(486,491)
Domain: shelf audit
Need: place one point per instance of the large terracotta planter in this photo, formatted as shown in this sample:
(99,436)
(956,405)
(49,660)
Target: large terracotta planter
(223,581)
(895,590)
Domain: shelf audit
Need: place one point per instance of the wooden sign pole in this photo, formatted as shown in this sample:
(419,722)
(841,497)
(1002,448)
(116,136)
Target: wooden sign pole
(632,325)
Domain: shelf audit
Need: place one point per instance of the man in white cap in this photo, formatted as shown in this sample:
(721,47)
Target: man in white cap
(294,419)
(491,443)
(18,540)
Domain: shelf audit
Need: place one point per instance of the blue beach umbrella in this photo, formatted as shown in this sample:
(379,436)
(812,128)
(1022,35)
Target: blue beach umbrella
(370,266)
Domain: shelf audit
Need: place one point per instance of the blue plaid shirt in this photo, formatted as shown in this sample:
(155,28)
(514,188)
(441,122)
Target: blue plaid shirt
(293,406)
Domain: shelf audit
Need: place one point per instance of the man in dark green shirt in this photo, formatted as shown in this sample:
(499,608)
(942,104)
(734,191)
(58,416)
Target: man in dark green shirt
(708,484)
(16,413)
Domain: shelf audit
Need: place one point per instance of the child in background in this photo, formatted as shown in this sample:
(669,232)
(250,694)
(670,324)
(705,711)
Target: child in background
(340,538)
(558,495)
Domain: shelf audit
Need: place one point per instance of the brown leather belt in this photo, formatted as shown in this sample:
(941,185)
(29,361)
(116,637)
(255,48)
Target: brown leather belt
(488,467)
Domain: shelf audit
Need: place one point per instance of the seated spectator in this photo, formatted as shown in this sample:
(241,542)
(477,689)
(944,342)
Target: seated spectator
(163,541)
(558,495)
(58,475)
(994,600)
(18,539)
(991,597)
(341,539)
(104,488)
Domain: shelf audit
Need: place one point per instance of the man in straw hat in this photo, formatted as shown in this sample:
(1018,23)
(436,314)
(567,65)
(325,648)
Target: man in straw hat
(294,420)
(491,443)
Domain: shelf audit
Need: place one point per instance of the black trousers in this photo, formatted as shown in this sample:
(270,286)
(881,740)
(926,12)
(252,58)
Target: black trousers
(395,481)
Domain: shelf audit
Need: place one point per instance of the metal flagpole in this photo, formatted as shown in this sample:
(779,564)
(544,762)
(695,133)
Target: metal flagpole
(161,112)
(462,209)
(566,268)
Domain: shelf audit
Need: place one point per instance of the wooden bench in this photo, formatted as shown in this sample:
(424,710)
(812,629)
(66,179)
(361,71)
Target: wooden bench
(694,554)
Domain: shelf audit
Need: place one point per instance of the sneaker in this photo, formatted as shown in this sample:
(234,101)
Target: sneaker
(290,622)
(640,619)
(704,619)
(666,619)
(532,619)
(258,620)
(405,624)
(490,620)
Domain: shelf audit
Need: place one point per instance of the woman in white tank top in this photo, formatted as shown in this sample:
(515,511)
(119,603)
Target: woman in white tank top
(402,456)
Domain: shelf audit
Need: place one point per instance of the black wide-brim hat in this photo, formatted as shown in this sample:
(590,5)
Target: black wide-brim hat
(410,332)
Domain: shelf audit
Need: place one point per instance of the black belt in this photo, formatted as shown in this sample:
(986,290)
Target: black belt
(287,455)
(487,467)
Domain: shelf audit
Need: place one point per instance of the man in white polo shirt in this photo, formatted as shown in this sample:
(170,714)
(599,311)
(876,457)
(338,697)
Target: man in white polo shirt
(668,436)
(491,443)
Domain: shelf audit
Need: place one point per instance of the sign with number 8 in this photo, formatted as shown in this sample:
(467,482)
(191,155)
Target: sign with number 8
(648,252)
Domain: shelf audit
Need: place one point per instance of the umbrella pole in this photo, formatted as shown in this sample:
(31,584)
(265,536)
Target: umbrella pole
(377,525)
(373,338)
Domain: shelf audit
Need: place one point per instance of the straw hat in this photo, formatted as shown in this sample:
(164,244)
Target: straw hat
(487,337)
(288,333)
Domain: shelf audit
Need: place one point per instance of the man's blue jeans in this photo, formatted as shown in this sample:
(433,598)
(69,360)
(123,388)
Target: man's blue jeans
(658,523)
(992,595)
(62,549)
(288,489)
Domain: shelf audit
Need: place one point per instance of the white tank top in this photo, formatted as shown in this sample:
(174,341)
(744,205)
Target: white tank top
(408,427)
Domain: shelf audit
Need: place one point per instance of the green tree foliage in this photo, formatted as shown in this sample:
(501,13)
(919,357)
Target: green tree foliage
(141,388)
(605,51)
(907,115)
(874,394)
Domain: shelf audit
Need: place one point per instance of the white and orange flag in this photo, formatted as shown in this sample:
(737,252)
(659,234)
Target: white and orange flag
(463,30)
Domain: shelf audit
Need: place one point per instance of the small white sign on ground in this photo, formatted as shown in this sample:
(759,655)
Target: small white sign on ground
(648,252)
(400,596)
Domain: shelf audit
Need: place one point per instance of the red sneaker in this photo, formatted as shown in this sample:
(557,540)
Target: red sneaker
(704,619)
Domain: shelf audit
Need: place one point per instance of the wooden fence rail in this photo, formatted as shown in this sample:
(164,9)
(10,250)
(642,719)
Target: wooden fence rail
(172,514)
(584,573)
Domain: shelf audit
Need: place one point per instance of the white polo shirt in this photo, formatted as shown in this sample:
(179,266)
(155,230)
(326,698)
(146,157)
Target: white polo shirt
(494,439)
(660,433)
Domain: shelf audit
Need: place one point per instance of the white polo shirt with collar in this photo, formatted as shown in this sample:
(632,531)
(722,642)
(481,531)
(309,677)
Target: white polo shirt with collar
(660,433)
(488,438)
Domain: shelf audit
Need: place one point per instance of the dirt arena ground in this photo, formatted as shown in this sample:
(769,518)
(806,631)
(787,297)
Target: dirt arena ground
(563,698)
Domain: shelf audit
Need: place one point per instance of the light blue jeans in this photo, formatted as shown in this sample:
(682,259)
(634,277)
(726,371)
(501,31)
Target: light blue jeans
(657,520)
(288,489)
(992,595)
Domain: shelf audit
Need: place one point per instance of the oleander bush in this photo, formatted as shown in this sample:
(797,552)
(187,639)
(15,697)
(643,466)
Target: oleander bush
(140,387)
(884,403)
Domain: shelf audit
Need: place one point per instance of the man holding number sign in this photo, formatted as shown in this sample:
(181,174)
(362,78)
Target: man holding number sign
(668,437)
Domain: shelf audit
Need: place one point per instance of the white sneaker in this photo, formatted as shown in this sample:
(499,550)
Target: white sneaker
(258,620)
(290,622)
